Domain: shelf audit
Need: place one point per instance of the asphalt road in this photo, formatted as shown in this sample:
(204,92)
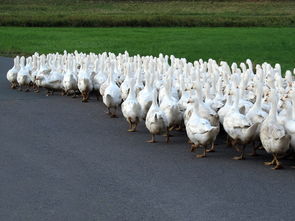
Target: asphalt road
(61,159)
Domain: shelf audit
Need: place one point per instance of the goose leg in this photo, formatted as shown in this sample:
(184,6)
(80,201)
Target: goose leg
(109,111)
(277,162)
(152,140)
(255,148)
(75,94)
(212,149)
(132,126)
(84,97)
(167,136)
(114,115)
(242,156)
(28,88)
(203,154)
(189,141)
(20,88)
(193,147)
(37,89)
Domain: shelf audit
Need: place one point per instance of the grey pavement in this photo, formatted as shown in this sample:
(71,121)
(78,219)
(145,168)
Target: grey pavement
(61,159)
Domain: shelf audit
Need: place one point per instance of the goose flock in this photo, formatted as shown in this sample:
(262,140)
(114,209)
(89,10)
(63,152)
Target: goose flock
(255,106)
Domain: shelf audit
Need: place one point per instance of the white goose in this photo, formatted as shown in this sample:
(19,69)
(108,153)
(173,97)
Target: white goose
(112,95)
(131,108)
(169,105)
(257,115)
(23,76)
(156,121)
(200,131)
(12,73)
(85,85)
(290,123)
(145,96)
(70,80)
(273,136)
(239,127)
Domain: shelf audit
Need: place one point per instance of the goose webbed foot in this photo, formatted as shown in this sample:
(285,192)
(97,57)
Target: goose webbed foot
(171,128)
(13,86)
(109,112)
(179,128)
(203,154)
(132,127)
(278,165)
(269,163)
(152,140)
(242,156)
(114,116)
(212,149)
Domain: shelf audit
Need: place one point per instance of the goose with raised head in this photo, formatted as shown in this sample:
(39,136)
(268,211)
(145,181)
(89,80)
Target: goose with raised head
(156,121)
(273,136)
(23,76)
(169,105)
(104,85)
(70,80)
(257,115)
(125,86)
(112,95)
(54,82)
(131,108)
(42,74)
(12,73)
(200,131)
(239,127)
(205,111)
(290,123)
(227,106)
(85,85)
(145,96)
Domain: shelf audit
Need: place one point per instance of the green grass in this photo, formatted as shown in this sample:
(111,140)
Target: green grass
(274,45)
(97,13)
